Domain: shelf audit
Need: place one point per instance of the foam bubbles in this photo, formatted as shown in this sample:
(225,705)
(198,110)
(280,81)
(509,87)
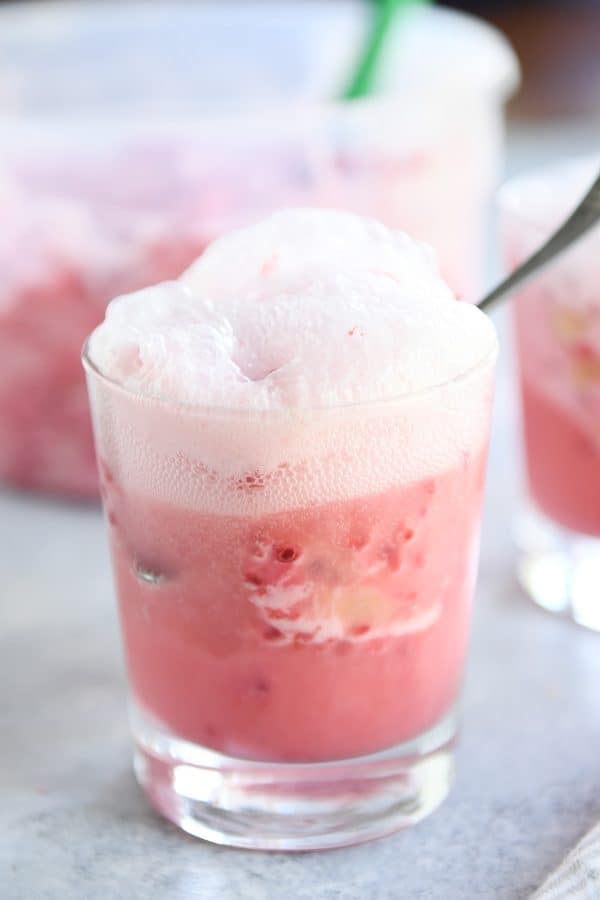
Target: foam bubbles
(265,349)
(308,308)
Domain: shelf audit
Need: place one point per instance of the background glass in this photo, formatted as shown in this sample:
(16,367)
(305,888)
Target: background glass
(556,319)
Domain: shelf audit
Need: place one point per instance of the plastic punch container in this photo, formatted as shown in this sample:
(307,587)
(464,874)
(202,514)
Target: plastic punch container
(145,137)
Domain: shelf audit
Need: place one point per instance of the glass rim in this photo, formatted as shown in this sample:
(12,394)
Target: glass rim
(510,191)
(487,362)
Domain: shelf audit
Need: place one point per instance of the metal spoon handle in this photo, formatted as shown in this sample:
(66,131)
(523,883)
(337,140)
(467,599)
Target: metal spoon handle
(581,220)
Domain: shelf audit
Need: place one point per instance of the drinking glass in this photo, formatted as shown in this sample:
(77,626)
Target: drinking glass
(557,327)
(295,592)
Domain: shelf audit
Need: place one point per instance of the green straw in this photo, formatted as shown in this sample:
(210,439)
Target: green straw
(384,14)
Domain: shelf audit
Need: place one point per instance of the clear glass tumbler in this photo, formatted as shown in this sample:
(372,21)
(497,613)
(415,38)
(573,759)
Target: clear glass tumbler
(295,590)
(557,324)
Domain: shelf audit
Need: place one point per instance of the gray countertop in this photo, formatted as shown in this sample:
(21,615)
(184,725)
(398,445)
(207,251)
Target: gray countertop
(73,823)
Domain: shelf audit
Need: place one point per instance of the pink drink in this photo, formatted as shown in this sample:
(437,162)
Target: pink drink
(292,451)
(47,441)
(73,235)
(558,340)
(231,623)
(563,462)
(557,324)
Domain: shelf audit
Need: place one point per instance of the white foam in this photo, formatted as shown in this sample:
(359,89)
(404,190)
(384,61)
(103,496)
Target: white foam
(269,351)
(306,308)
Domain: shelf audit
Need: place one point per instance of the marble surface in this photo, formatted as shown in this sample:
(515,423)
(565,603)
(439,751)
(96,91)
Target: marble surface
(75,826)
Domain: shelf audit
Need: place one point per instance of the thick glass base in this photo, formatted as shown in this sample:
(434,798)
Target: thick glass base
(281,806)
(559,569)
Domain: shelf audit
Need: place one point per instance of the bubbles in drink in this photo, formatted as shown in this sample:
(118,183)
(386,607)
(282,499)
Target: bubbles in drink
(150,575)
(286,553)
(312,314)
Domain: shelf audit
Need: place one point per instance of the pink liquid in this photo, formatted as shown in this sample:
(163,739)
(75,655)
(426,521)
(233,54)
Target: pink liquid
(563,463)
(306,635)
(559,364)
(47,441)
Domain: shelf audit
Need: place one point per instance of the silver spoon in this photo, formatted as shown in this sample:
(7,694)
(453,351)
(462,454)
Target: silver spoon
(584,217)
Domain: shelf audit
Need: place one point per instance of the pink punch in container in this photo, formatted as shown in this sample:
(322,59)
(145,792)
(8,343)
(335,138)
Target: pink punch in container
(128,143)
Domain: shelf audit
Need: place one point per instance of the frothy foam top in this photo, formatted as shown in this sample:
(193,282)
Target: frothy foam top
(307,308)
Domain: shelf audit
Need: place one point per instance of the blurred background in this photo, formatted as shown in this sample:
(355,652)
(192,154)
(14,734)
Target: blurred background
(130,136)
(557,42)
